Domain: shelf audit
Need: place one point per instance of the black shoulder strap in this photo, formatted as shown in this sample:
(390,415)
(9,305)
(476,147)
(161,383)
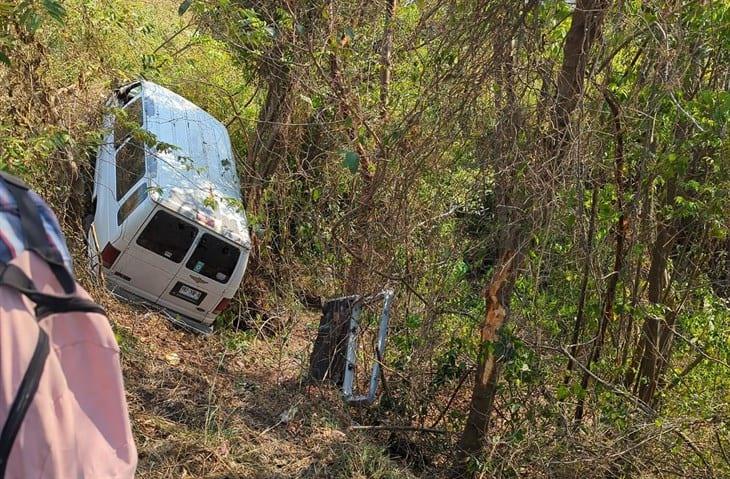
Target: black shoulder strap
(23,398)
(34,234)
(13,277)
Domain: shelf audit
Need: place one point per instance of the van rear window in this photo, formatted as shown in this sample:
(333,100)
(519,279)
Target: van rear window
(168,236)
(214,258)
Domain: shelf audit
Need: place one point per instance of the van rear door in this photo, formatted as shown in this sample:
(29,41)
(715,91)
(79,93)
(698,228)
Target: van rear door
(208,270)
(154,257)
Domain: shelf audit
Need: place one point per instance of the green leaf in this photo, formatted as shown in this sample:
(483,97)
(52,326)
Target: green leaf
(4,58)
(350,160)
(55,10)
(32,21)
(184,7)
(60,139)
(210,202)
(562,392)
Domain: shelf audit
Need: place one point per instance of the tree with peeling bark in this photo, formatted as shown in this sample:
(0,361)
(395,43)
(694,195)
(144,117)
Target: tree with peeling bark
(585,28)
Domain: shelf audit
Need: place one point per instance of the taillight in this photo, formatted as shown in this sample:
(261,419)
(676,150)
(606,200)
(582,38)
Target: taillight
(109,255)
(222,306)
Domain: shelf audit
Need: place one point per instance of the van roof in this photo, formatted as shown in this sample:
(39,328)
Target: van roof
(196,176)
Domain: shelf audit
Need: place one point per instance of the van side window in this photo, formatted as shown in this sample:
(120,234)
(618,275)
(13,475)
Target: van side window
(130,166)
(127,93)
(214,258)
(134,200)
(123,128)
(168,236)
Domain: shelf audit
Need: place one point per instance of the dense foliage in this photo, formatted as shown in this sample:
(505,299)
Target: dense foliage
(546,185)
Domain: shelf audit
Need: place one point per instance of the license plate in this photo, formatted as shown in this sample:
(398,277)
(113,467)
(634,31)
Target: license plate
(188,293)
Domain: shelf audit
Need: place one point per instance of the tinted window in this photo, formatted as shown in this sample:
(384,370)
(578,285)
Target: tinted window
(214,258)
(168,236)
(124,126)
(130,166)
(131,203)
(126,94)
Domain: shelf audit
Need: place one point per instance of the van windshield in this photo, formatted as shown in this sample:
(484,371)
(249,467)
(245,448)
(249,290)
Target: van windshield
(214,258)
(168,236)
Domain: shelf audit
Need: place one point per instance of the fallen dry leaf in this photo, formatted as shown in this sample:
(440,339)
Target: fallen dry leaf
(172,358)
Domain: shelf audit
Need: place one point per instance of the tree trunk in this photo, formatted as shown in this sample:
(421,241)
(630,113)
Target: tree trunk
(497,296)
(373,175)
(385,64)
(580,314)
(648,371)
(584,29)
(651,332)
(621,234)
(606,311)
(268,144)
(629,328)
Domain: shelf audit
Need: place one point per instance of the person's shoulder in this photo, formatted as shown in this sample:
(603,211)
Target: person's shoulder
(11,230)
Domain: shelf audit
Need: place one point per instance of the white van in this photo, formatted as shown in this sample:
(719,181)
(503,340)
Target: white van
(168,223)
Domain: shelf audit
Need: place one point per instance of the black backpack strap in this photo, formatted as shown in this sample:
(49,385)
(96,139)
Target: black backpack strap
(34,234)
(14,277)
(23,398)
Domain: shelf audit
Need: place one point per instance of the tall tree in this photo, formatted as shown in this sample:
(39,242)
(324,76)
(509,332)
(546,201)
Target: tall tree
(621,234)
(584,30)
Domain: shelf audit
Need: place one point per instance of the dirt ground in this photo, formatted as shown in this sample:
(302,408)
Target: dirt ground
(234,404)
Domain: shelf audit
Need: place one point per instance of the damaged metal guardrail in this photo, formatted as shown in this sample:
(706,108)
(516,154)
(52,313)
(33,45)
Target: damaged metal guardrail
(334,357)
(351,364)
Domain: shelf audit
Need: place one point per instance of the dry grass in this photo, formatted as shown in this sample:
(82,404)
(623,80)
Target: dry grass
(211,407)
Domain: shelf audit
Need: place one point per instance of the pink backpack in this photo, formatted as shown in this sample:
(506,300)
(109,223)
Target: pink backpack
(62,403)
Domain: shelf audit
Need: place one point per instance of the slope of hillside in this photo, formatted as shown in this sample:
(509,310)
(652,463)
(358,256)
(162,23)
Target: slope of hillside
(232,405)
